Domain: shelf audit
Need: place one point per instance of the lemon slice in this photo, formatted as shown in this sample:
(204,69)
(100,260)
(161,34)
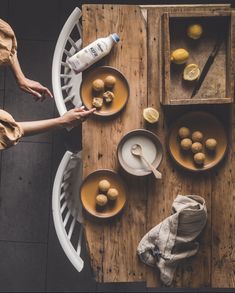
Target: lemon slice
(151,115)
(194,31)
(191,72)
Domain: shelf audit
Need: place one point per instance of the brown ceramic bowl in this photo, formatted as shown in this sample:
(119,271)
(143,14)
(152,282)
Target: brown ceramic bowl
(89,190)
(120,90)
(151,147)
(211,127)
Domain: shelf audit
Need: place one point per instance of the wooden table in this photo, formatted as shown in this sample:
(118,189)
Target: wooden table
(112,245)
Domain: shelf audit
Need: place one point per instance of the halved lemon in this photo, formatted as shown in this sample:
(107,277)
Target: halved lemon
(191,72)
(151,115)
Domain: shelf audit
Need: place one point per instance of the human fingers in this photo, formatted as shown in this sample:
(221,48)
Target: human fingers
(88,112)
(34,93)
(43,98)
(47,92)
(84,115)
(80,109)
(44,91)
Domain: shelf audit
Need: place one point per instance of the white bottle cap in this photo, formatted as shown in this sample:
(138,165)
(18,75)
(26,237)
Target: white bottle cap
(115,37)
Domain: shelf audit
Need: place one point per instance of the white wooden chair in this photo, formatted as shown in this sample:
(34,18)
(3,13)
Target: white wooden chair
(66,205)
(65,82)
(67,208)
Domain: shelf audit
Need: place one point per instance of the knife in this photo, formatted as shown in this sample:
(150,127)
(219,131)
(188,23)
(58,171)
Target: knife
(207,66)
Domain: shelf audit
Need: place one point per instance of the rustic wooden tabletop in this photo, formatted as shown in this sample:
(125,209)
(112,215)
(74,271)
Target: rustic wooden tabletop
(112,245)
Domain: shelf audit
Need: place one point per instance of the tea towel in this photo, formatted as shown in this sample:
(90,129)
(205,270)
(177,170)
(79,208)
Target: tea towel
(173,239)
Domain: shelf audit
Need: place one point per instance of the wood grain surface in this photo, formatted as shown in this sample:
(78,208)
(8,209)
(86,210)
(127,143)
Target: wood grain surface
(213,90)
(113,244)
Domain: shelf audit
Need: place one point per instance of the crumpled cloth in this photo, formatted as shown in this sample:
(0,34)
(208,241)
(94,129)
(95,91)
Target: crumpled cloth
(10,131)
(171,241)
(8,43)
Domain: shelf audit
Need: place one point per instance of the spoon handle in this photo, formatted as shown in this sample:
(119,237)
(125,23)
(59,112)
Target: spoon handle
(156,173)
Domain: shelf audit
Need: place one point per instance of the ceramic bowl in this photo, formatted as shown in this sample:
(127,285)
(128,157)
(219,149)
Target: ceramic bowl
(120,90)
(151,147)
(89,190)
(211,127)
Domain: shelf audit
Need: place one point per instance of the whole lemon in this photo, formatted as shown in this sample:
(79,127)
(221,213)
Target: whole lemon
(179,56)
(194,31)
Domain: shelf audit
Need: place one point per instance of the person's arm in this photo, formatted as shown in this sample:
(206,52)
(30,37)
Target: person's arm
(69,119)
(28,85)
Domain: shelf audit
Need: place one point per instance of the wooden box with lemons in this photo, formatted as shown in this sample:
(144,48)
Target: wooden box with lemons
(197,52)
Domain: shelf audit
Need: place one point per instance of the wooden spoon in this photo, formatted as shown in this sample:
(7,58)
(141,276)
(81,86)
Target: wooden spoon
(136,150)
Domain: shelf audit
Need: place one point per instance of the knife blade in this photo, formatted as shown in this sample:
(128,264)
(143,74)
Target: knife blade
(207,66)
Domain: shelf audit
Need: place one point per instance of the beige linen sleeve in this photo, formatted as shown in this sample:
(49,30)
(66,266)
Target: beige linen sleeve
(10,131)
(8,43)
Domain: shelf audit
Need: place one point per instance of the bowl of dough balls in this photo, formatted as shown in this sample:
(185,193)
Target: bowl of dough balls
(103,193)
(106,89)
(197,141)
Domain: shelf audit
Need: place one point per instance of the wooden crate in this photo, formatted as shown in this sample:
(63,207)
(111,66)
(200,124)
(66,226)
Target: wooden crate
(218,85)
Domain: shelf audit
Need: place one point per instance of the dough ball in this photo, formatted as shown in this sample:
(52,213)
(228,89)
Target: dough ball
(196,147)
(97,102)
(110,81)
(184,132)
(186,144)
(101,200)
(98,85)
(199,158)
(197,136)
(108,96)
(112,193)
(104,185)
(211,144)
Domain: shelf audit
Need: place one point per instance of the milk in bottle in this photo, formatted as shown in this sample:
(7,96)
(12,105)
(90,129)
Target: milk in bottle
(92,53)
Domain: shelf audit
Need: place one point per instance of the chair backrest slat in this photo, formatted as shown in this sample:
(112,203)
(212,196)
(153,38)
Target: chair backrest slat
(71,228)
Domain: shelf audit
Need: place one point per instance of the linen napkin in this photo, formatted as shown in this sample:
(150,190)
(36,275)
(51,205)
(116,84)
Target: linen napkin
(172,240)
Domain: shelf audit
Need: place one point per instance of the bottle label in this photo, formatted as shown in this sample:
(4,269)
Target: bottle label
(93,52)
(89,55)
(99,46)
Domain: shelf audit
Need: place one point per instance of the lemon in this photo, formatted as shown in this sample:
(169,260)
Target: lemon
(179,56)
(151,115)
(194,31)
(191,72)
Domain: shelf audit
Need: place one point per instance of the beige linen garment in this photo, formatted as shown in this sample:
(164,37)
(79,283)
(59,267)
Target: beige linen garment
(10,131)
(8,44)
(173,239)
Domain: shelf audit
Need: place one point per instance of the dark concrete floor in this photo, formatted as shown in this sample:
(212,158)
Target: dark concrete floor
(31,258)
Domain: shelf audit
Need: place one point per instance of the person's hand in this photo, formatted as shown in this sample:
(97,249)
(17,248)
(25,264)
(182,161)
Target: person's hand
(39,91)
(75,116)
